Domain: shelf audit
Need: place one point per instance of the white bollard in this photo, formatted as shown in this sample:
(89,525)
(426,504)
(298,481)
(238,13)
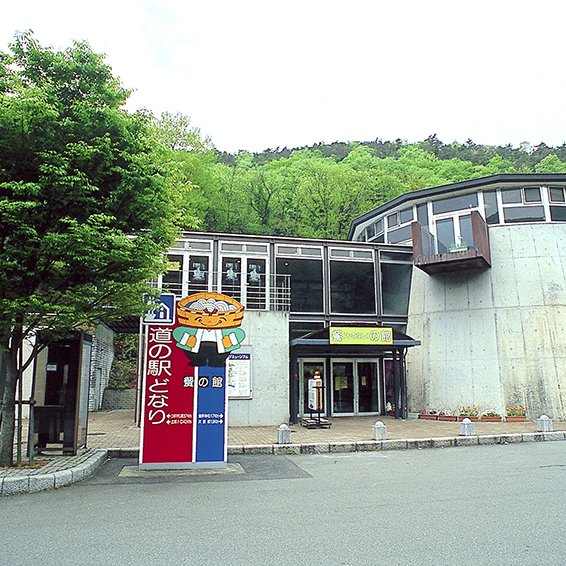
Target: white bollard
(544,424)
(283,434)
(379,431)
(467,428)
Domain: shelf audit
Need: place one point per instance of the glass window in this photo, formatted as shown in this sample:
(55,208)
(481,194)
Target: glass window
(173,277)
(256,285)
(558,213)
(455,203)
(395,288)
(556,195)
(198,274)
(352,287)
(403,234)
(466,236)
(406,215)
(422,214)
(370,231)
(311,251)
(392,220)
(379,226)
(512,196)
(490,204)
(532,195)
(232,247)
(306,283)
(298,329)
(287,250)
(396,256)
(231,277)
(523,214)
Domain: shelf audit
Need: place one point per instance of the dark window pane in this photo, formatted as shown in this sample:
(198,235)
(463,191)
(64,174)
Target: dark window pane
(445,234)
(352,287)
(173,277)
(380,239)
(370,231)
(395,256)
(392,220)
(455,203)
(490,203)
(466,238)
(231,277)
(406,215)
(395,288)
(532,195)
(400,235)
(379,226)
(198,274)
(422,214)
(255,291)
(306,283)
(523,214)
(557,195)
(511,196)
(558,213)
(298,329)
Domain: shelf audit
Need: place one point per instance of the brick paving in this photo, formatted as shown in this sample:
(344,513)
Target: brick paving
(117,429)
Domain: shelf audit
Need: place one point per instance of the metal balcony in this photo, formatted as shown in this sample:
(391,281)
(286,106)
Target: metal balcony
(430,256)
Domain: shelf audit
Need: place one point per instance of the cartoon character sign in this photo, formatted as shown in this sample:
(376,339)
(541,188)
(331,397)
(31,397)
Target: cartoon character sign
(209,327)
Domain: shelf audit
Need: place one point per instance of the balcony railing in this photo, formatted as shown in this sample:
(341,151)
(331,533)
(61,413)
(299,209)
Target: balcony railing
(433,257)
(270,293)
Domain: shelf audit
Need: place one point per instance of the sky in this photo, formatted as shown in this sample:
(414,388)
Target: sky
(258,74)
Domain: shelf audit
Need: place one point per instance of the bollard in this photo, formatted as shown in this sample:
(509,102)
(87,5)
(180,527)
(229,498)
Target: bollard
(467,428)
(379,431)
(544,424)
(283,434)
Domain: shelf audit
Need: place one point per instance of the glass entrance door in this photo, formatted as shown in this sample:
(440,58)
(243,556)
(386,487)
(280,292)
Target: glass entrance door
(342,387)
(368,391)
(307,369)
(355,387)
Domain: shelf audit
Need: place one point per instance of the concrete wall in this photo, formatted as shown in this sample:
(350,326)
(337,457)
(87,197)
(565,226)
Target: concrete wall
(494,338)
(267,338)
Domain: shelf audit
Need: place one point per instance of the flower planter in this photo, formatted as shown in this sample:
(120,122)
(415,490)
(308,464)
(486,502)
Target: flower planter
(516,418)
(448,418)
(426,417)
(490,419)
(474,419)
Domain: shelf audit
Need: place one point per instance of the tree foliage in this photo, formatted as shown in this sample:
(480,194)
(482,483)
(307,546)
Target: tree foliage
(87,202)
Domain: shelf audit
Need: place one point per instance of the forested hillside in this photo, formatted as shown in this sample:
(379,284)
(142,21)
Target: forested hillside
(317,191)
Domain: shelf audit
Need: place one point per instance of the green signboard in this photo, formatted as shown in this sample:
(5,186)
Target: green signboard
(361,335)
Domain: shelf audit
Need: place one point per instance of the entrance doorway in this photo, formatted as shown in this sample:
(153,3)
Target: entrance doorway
(355,387)
(307,367)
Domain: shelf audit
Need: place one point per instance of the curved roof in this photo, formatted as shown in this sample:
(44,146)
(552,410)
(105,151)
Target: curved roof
(477,183)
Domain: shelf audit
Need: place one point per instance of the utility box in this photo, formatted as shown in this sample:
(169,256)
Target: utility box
(60,392)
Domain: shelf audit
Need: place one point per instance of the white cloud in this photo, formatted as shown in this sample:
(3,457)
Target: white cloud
(255,74)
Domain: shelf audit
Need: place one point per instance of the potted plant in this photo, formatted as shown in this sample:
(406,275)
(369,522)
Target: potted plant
(490,417)
(468,412)
(428,414)
(447,416)
(516,414)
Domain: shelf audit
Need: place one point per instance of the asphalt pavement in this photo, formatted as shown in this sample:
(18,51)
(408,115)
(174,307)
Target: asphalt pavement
(472,505)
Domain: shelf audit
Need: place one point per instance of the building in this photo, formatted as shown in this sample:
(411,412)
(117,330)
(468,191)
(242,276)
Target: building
(488,292)
(294,290)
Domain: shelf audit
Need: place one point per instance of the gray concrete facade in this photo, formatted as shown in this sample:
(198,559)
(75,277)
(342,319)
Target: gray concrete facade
(267,339)
(497,337)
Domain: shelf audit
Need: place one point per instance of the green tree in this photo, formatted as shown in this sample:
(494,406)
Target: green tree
(86,207)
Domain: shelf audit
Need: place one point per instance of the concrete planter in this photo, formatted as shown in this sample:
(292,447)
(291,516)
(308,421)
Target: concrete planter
(516,418)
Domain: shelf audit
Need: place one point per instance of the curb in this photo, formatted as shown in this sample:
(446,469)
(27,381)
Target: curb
(42,482)
(372,445)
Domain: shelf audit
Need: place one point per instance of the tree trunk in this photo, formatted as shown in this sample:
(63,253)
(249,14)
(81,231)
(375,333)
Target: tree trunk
(8,410)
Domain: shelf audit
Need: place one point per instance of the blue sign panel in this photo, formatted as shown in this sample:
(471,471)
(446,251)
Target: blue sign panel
(211,415)
(164,311)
